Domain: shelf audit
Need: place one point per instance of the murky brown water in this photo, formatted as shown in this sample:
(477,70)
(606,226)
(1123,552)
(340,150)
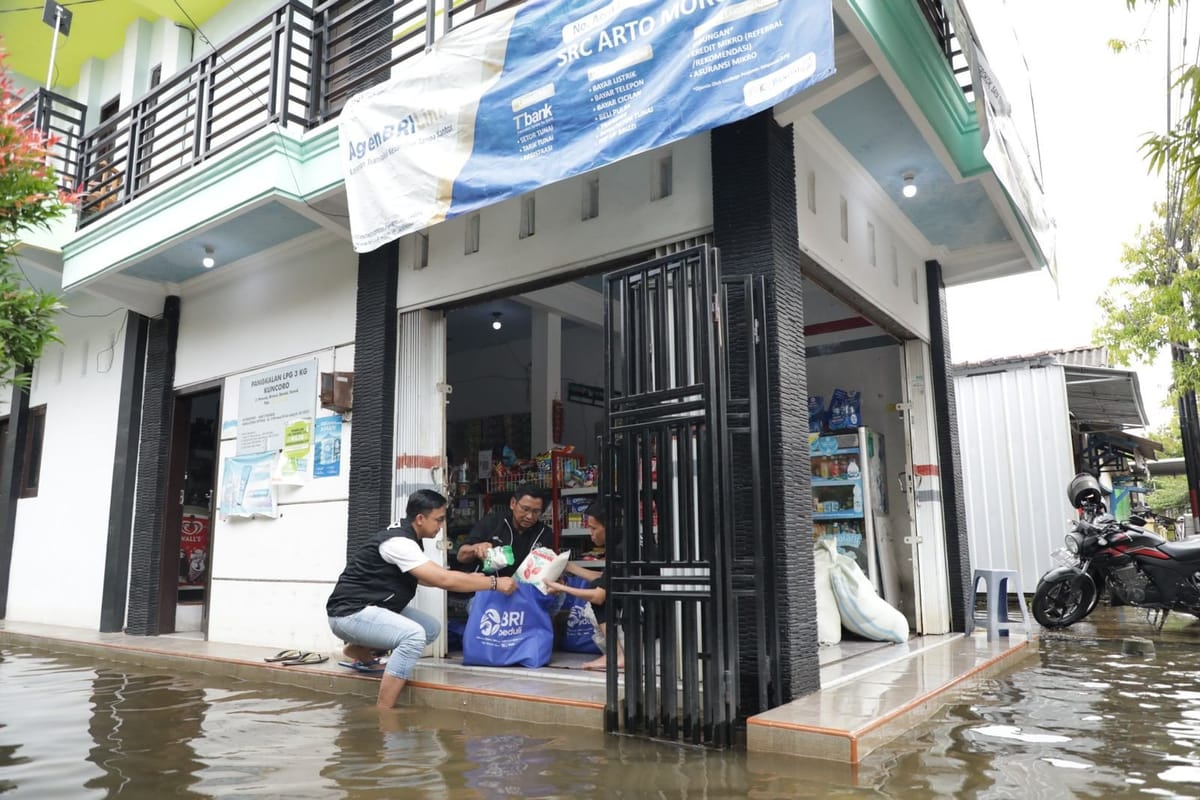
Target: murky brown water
(1081,720)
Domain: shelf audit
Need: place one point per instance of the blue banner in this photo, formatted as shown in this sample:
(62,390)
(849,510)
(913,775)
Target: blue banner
(548,89)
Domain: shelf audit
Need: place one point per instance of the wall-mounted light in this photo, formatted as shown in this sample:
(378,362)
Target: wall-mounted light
(496,323)
(910,185)
(208,261)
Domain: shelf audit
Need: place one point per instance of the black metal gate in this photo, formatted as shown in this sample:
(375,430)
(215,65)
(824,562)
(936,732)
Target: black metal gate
(678,579)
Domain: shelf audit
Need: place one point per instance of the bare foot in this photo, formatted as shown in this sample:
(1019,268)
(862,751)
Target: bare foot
(600,663)
(358,652)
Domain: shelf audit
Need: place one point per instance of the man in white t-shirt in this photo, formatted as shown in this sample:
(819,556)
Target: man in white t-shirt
(370,609)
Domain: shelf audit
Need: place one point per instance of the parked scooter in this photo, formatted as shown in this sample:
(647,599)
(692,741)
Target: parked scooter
(1138,567)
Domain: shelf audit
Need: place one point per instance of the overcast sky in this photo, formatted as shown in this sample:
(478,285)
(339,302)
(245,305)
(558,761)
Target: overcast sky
(1094,108)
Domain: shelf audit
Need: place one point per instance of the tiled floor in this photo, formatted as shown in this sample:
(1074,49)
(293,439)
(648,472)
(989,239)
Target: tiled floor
(871,692)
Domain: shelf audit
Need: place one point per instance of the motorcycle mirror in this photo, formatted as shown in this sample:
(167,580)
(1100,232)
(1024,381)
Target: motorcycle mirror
(1136,520)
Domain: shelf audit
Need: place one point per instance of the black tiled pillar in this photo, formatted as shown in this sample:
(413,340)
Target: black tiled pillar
(754,219)
(158,402)
(124,478)
(10,485)
(954,509)
(371,446)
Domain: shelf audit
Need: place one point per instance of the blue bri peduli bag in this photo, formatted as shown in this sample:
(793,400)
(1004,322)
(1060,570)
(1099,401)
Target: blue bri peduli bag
(510,631)
(578,637)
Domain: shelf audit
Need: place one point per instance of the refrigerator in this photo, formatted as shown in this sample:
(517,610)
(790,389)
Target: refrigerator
(849,492)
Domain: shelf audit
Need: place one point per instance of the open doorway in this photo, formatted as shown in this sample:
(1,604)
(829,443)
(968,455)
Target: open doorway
(187,520)
(527,406)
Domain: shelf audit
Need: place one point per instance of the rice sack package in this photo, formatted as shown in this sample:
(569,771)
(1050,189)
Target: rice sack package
(581,628)
(541,566)
(508,631)
(863,611)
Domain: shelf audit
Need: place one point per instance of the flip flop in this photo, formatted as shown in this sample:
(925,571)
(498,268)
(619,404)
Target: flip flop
(284,655)
(306,658)
(366,669)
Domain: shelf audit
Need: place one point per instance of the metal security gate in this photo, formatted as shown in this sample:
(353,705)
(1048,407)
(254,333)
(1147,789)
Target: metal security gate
(669,478)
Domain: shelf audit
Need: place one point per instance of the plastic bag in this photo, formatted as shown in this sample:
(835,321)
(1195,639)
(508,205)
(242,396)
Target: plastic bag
(512,630)
(497,558)
(581,628)
(542,565)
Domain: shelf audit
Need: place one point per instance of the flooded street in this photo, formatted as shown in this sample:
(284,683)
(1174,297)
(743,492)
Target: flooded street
(1087,716)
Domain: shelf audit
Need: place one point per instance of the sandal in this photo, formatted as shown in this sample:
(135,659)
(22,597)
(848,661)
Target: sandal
(306,658)
(367,669)
(284,655)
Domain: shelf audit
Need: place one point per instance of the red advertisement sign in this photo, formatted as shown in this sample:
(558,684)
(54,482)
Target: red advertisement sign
(193,551)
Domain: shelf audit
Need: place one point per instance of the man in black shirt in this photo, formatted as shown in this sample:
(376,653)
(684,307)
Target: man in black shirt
(519,525)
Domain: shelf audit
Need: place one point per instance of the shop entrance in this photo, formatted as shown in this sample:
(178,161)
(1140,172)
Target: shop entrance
(873,472)
(187,518)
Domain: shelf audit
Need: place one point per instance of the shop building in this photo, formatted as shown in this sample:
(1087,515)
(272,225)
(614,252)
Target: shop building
(215,298)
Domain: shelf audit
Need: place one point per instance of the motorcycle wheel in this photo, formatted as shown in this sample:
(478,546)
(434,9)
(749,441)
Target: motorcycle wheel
(1064,601)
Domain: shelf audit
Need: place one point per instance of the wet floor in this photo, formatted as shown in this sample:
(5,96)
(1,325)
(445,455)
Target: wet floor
(1090,716)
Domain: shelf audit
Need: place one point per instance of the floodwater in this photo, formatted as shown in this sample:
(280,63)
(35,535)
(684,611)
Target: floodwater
(1082,719)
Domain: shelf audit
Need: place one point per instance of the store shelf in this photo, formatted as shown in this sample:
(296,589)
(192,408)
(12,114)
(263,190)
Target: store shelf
(575,532)
(836,482)
(590,563)
(577,490)
(841,451)
(838,515)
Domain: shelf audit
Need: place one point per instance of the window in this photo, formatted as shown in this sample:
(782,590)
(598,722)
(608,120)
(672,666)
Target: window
(31,460)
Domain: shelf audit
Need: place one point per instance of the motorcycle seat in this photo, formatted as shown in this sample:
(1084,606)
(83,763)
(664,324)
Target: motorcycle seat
(1184,551)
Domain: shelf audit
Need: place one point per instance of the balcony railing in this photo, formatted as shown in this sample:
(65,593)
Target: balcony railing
(259,78)
(62,118)
(295,67)
(943,30)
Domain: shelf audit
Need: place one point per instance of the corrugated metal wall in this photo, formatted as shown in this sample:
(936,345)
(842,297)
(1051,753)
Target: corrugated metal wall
(1014,432)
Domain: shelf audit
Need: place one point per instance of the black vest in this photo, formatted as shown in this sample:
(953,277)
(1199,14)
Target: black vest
(368,580)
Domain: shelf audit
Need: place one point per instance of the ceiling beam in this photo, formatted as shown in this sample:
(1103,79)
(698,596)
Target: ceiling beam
(854,68)
(571,301)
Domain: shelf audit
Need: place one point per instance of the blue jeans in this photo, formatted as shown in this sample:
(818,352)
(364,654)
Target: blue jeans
(406,634)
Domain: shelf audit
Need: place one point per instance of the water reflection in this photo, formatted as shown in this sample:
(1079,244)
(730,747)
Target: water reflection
(1083,720)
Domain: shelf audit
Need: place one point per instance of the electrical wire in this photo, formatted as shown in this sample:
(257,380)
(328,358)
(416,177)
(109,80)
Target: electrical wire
(255,95)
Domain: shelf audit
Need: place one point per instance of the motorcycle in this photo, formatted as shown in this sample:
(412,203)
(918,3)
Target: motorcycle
(1137,566)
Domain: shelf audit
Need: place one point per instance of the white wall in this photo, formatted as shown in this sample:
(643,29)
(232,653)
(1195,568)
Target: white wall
(283,568)
(1014,436)
(493,380)
(879,257)
(488,381)
(57,570)
(629,222)
(296,298)
(294,303)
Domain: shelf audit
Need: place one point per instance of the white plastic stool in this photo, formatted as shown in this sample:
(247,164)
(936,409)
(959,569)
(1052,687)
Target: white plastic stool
(999,582)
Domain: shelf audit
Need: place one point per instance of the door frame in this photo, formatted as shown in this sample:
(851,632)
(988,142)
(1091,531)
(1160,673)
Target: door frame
(172,519)
(927,534)
(419,436)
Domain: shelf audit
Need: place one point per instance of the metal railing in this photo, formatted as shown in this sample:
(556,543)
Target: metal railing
(947,39)
(296,66)
(259,77)
(62,118)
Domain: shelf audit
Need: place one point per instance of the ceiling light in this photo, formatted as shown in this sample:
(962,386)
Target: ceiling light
(208,261)
(496,324)
(910,186)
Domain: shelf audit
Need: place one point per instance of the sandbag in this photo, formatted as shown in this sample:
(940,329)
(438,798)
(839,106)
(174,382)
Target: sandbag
(863,611)
(829,619)
(581,627)
(512,630)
